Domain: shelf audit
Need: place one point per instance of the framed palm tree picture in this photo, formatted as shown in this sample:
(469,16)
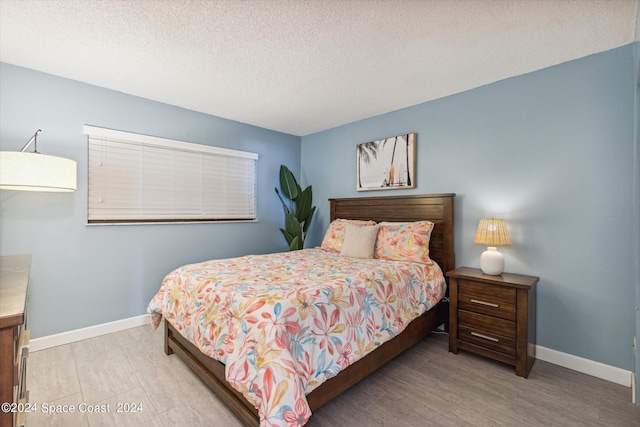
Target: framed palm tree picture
(386,164)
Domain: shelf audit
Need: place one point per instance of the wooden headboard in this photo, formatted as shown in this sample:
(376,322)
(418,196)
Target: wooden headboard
(437,208)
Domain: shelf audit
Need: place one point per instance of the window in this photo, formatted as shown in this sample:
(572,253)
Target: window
(138,178)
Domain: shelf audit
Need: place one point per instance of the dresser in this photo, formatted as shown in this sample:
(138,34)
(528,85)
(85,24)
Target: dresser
(14,337)
(494,316)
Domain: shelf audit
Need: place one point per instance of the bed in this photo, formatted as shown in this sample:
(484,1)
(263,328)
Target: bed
(436,208)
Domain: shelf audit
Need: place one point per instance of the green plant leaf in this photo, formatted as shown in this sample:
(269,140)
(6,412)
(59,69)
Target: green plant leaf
(296,244)
(288,237)
(307,220)
(284,205)
(297,198)
(304,204)
(292,225)
(288,183)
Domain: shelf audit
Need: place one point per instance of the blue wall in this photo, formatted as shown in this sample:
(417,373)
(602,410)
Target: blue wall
(83,275)
(551,152)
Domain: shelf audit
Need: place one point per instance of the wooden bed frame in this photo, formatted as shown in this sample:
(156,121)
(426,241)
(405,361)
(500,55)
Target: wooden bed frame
(437,208)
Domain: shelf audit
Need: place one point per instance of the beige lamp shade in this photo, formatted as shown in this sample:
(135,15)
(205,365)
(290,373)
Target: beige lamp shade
(492,232)
(36,172)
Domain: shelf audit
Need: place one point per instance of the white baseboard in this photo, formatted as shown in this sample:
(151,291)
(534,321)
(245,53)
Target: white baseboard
(585,366)
(88,332)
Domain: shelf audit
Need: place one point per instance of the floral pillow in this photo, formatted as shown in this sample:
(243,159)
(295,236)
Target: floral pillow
(404,241)
(334,236)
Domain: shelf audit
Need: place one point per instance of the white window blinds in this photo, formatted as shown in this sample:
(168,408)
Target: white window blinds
(139,178)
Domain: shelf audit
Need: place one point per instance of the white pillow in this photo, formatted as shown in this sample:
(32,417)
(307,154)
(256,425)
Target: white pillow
(359,240)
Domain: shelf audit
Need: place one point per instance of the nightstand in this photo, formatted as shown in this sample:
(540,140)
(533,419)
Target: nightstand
(494,316)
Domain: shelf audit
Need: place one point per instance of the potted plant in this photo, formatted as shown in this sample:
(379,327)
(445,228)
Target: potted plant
(298,211)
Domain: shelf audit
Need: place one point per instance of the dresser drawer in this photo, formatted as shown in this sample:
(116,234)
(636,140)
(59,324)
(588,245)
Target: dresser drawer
(489,299)
(23,356)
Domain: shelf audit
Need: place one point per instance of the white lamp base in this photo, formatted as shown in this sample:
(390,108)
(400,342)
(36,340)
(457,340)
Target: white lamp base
(492,262)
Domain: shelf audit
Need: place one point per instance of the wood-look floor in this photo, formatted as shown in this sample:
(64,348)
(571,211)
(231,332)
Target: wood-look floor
(425,386)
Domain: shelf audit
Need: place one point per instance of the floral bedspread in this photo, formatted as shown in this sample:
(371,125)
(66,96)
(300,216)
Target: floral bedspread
(284,323)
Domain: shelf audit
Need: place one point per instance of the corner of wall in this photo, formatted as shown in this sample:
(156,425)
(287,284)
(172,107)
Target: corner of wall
(636,204)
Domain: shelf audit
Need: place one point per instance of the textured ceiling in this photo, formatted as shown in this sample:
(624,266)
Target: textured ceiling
(304,66)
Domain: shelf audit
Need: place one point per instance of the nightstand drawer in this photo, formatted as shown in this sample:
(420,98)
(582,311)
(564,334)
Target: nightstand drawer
(488,324)
(488,340)
(489,299)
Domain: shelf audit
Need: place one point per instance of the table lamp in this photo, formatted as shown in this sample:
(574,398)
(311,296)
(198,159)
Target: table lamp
(492,232)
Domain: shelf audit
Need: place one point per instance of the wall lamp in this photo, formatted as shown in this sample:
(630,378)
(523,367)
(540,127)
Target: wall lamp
(32,171)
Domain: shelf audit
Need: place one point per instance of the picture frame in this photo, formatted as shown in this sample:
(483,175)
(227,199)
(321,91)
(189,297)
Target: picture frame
(386,164)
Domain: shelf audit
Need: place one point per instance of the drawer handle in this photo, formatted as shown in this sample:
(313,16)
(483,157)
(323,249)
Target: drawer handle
(475,334)
(475,301)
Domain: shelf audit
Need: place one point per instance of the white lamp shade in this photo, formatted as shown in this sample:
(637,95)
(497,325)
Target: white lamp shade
(492,262)
(36,172)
